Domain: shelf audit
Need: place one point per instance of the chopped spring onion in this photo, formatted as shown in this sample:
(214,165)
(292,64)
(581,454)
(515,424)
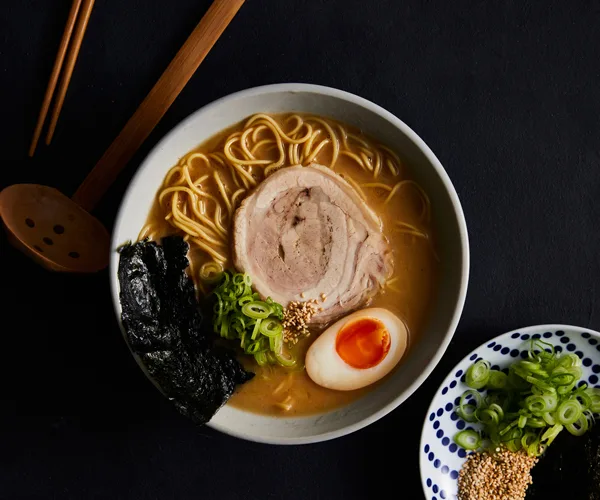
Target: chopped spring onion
(569,360)
(490,415)
(271,327)
(583,397)
(468,439)
(535,449)
(478,375)
(534,368)
(513,445)
(257,309)
(528,439)
(551,433)
(255,347)
(540,384)
(465,410)
(579,427)
(498,409)
(497,380)
(487,416)
(529,407)
(535,403)
(514,434)
(210,272)
(256,329)
(261,358)
(536,423)
(285,359)
(522,421)
(594,394)
(541,403)
(508,428)
(561,377)
(239,314)
(569,412)
(245,299)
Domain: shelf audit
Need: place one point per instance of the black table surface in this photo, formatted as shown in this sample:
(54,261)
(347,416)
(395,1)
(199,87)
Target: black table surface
(506,93)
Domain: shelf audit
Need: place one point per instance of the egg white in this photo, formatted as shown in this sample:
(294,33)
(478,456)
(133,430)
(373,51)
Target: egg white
(326,368)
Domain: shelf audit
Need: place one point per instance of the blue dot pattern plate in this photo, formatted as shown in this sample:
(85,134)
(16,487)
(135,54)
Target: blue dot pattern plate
(440,459)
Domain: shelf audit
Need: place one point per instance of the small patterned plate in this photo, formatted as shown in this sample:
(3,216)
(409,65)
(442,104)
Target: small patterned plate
(440,459)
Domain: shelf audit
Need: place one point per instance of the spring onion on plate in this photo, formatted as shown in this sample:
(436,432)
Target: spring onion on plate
(240,314)
(468,439)
(528,407)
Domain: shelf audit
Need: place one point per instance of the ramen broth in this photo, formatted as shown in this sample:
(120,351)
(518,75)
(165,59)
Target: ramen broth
(408,294)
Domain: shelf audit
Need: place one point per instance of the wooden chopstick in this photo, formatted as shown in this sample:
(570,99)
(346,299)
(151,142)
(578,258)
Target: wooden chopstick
(60,57)
(82,23)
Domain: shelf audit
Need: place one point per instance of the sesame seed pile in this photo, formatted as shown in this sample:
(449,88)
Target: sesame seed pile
(504,475)
(296,317)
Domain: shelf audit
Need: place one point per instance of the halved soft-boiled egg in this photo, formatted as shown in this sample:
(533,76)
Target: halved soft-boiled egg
(357,350)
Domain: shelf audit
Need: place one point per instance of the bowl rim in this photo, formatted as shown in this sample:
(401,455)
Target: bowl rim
(279,88)
(526,329)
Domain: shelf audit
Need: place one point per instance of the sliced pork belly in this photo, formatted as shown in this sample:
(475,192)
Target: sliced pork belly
(305,230)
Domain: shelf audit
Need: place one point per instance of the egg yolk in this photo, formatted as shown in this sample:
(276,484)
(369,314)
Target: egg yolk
(363,343)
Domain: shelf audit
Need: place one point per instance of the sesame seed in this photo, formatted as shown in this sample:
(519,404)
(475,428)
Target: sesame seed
(296,318)
(504,475)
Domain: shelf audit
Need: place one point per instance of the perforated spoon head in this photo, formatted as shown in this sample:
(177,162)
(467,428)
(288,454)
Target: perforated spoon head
(54,230)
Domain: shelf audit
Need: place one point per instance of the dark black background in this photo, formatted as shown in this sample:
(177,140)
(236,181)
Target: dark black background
(507,94)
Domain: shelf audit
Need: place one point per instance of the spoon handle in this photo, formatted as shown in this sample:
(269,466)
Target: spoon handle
(157,102)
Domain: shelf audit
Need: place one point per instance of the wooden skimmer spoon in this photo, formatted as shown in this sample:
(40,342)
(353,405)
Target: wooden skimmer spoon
(57,231)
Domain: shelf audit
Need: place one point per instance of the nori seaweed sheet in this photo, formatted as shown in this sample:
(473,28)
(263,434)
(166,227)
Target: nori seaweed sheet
(569,469)
(164,326)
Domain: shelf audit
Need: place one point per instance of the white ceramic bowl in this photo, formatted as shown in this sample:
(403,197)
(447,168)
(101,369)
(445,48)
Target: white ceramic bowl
(448,221)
